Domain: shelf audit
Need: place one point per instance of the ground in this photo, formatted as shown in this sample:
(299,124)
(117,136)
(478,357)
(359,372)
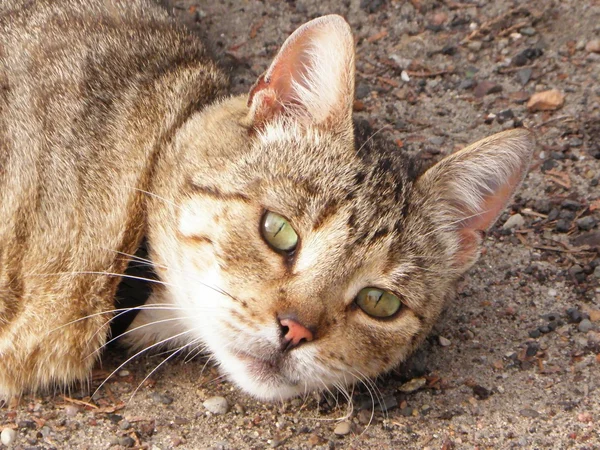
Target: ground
(515,360)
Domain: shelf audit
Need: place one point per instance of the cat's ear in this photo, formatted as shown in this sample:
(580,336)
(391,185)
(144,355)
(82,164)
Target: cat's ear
(311,79)
(468,190)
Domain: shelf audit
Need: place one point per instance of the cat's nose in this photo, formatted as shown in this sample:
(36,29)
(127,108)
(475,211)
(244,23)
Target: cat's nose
(293,334)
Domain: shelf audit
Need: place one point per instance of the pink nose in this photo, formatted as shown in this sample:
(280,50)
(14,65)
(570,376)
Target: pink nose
(296,333)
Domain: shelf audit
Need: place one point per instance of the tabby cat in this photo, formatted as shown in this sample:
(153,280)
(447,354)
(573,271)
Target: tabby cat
(299,252)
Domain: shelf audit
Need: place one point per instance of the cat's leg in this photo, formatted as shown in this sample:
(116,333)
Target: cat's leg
(46,348)
(156,325)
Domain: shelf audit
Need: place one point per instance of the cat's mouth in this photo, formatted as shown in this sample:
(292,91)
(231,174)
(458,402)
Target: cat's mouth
(268,369)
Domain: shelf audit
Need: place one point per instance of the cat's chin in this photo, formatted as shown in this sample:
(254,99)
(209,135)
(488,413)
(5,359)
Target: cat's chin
(264,379)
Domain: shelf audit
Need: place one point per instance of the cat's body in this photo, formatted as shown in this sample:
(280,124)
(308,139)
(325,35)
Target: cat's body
(112,128)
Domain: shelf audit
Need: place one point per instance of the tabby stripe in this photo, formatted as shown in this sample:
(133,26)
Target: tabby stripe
(213,192)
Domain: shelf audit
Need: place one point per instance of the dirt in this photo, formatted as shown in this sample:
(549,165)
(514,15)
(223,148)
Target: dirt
(515,360)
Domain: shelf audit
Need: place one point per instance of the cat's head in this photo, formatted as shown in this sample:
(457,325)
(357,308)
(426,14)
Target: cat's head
(302,254)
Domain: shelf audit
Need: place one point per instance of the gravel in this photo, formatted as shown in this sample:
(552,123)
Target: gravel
(545,395)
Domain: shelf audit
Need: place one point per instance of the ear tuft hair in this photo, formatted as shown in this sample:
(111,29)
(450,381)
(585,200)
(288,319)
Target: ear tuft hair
(311,79)
(472,187)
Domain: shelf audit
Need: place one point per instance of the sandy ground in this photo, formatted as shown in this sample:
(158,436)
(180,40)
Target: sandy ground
(515,361)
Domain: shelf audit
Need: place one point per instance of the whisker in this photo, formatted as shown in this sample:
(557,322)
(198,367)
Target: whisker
(109,274)
(153,306)
(156,322)
(152,194)
(137,354)
(158,366)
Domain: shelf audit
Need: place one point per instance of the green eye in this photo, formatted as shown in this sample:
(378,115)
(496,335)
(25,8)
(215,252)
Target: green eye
(278,232)
(378,303)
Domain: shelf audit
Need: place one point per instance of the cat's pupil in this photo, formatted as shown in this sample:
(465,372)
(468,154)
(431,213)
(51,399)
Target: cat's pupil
(278,232)
(377,302)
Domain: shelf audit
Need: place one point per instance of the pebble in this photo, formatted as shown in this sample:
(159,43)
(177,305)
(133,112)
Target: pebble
(362,90)
(593,46)
(124,373)
(126,441)
(528,412)
(534,334)
(574,315)
(413,385)
(563,226)
(444,342)
(519,97)
(484,88)
(388,402)
(505,115)
(585,325)
(544,329)
(586,223)
(71,410)
(546,101)
(474,46)
(571,205)
(365,416)
(527,31)
(343,428)
(575,269)
(467,83)
(217,405)
(597,272)
(532,349)
(514,221)
(481,392)
(8,436)
(162,398)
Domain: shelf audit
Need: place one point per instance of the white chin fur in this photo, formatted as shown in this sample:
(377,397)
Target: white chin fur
(272,387)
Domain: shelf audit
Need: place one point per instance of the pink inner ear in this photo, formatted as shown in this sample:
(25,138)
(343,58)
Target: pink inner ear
(491,208)
(312,77)
(471,228)
(273,92)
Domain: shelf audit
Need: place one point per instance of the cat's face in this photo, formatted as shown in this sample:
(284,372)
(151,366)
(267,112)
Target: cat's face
(301,257)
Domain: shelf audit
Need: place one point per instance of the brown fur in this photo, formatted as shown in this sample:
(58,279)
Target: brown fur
(112,128)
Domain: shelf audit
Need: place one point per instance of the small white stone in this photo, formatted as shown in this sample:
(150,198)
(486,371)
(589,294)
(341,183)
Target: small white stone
(71,410)
(514,221)
(124,373)
(342,428)
(444,342)
(552,292)
(217,405)
(404,76)
(8,436)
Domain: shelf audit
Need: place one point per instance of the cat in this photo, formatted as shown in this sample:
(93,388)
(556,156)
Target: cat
(298,251)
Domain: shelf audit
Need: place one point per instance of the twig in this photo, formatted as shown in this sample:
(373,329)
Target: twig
(486,26)
(513,28)
(555,119)
(79,402)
